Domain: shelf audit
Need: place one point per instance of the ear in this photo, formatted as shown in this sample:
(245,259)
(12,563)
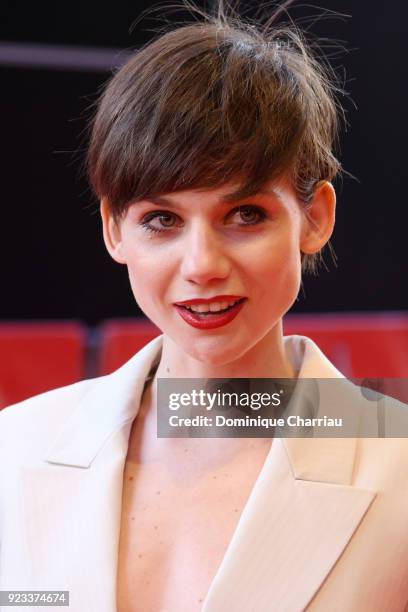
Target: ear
(111,233)
(319,217)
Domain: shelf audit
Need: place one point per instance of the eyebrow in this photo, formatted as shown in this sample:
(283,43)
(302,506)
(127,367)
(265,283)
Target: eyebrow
(227,199)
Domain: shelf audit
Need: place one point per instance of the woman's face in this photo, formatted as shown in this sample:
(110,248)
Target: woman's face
(192,245)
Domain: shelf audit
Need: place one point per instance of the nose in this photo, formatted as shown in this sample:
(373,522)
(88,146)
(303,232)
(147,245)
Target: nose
(204,257)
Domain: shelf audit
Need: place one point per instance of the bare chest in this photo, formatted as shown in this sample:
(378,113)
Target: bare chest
(175,532)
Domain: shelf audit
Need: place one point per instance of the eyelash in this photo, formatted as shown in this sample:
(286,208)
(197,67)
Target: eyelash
(145,223)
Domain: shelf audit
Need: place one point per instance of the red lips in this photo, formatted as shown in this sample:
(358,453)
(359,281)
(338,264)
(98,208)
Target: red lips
(210,320)
(216,298)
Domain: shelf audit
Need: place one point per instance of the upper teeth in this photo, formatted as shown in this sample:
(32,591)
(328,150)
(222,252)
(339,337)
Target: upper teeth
(213,306)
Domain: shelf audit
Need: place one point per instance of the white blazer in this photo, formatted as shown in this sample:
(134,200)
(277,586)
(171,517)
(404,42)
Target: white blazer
(324,529)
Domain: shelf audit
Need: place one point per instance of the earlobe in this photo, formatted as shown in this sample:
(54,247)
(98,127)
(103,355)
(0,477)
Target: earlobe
(111,233)
(319,217)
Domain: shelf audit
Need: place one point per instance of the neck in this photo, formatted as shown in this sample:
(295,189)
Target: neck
(266,359)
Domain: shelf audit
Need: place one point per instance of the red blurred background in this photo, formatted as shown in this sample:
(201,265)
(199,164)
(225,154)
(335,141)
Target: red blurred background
(39,356)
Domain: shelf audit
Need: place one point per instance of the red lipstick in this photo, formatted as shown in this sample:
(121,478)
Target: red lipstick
(210,320)
(215,298)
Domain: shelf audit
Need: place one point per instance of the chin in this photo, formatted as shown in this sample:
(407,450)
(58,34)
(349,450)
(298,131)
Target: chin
(213,360)
(215,351)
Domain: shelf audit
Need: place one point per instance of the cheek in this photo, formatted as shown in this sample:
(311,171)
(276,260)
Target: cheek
(148,276)
(280,272)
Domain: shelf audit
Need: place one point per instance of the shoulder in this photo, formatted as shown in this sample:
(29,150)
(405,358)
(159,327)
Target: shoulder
(27,427)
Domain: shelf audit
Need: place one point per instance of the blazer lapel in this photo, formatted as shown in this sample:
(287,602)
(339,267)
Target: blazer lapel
(71,526)
(301,514)
(72,501)
(290,535)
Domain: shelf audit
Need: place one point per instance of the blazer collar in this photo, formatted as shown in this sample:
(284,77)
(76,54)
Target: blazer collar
(114,400)
(111,402)
(330,459)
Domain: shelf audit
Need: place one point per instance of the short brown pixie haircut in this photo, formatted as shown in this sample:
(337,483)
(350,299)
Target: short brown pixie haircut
(217,101)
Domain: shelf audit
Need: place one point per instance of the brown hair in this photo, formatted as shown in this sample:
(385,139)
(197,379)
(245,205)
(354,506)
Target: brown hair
(213,102)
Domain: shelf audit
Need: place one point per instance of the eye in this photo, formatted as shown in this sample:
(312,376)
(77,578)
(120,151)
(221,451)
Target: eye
(162,221)
(250,214)
(165,221)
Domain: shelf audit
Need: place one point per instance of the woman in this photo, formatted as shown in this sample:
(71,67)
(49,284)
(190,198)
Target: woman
(211,154)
